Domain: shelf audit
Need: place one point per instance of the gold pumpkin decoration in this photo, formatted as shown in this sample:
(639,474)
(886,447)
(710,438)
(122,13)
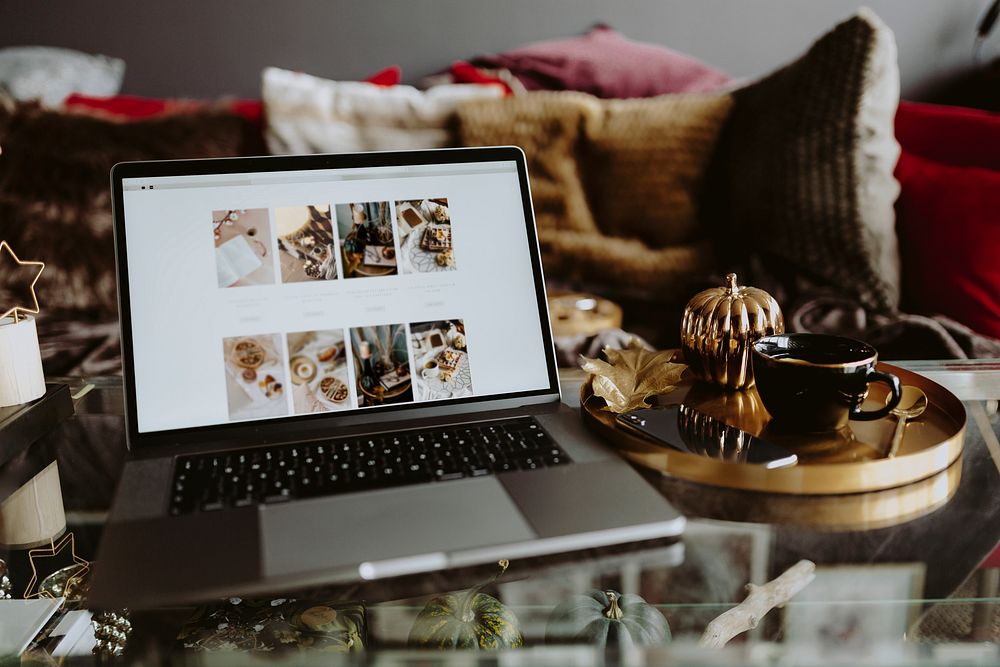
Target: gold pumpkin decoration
(719,328)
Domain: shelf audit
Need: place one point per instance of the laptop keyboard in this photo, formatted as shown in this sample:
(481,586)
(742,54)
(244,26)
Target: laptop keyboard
(279,473)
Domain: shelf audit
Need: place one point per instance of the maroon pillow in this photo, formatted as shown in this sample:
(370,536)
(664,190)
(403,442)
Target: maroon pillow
(951,135)
(606,64)
(948,221)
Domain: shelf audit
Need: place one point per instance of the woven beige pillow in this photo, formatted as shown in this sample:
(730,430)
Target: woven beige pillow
(644,165)
(547,126)
(595,261)
(615,184)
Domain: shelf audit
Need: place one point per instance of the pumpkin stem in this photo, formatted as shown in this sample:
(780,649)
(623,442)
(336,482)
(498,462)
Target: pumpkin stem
(731,283)
(614,612)
(467,614)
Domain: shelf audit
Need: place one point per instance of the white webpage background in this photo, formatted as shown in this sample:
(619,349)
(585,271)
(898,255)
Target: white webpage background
(180,316)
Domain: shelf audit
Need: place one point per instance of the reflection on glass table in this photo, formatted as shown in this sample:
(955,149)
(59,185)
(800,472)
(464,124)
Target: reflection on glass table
(903,576)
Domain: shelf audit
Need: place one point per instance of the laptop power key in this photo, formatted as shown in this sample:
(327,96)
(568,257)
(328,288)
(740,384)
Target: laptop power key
(281,473)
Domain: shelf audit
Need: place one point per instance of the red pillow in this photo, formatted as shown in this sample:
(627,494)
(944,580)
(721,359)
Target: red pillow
(133,107)
(948,222)
(952,135)
(388,77)
(463,72)
(606,64)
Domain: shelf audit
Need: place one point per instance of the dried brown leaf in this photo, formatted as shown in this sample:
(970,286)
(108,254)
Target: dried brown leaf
(632,375)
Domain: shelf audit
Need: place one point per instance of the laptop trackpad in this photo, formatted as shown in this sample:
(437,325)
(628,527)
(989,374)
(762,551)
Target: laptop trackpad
(328,533)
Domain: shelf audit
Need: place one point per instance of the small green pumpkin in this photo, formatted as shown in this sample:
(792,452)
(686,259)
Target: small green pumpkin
(467,620)
(607,618)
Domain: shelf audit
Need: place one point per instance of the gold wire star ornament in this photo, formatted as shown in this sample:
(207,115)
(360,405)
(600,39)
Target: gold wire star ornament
(17,311)
(54,548)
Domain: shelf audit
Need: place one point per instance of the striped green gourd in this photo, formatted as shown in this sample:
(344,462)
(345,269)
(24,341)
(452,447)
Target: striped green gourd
(470,620)
(607,619)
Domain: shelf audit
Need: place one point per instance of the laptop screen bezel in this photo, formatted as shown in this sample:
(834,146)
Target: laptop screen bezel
(286,428)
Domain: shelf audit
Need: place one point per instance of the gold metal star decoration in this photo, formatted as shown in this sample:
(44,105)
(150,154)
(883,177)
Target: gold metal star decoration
(21,306)
(54,548)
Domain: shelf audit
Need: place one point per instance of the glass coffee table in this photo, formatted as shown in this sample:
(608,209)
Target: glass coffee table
(903,576)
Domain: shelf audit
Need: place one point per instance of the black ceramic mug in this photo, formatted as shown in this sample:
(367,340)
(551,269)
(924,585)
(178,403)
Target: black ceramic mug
(815,382)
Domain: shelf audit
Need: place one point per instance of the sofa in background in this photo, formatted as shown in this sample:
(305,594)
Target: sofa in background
(788,179)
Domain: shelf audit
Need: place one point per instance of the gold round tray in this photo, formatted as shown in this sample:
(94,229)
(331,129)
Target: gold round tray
(847,511)
(848,461)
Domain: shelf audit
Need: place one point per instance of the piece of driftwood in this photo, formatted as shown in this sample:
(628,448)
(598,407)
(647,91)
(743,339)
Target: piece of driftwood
(760,600)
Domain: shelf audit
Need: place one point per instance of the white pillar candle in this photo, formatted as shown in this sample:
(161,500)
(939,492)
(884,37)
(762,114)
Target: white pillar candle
(21,377)
(33,515)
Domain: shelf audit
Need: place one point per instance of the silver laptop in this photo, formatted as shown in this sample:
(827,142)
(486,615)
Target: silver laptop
(340,368)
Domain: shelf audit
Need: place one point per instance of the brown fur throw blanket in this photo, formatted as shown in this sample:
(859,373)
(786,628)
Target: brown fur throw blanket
(55,204)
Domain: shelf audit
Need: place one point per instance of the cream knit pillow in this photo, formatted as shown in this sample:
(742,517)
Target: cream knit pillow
(307,114)
(615,183)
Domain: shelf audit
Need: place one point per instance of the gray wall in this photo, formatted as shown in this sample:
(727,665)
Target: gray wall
(204,48)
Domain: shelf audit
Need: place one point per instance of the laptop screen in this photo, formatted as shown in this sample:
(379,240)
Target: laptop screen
(279,294)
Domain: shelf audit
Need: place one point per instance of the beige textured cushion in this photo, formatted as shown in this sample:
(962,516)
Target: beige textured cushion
(615,184)
(627,264)
(803,173)
(308,114)
(645,161)
(547,126)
